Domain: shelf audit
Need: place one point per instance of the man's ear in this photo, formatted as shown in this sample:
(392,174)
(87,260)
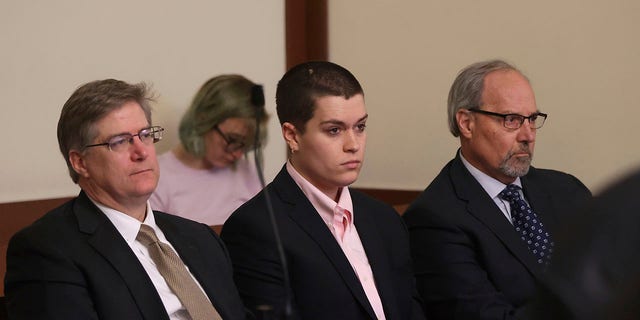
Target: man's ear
(77,162)
(466,123)
(290,135)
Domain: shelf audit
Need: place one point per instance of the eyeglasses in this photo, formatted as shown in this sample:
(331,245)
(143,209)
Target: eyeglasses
(121,142)
(514,120)
(233,144)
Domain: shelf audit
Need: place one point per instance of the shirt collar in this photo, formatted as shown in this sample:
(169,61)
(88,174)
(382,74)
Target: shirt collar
(491,186)
(126,225)
(320,201)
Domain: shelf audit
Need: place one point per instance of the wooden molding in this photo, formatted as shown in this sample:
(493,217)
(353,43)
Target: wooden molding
(392,197)
(306,31)
(16,215)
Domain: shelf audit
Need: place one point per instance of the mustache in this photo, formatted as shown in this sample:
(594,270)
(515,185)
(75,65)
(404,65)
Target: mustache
(522,148)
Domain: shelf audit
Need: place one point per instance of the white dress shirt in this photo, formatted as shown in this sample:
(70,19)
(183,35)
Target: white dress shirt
(493,187)
(128,227)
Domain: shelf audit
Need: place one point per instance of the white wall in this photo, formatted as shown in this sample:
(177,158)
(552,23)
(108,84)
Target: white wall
(582,57)
(49,48)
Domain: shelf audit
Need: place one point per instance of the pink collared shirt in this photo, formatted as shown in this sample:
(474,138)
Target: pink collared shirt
(350,243)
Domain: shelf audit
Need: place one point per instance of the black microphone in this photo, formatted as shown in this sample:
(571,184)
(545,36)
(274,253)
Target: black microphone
(257,100)
(257,96)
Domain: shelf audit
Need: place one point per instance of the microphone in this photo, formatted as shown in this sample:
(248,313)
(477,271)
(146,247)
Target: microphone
(257,96)
(257,100)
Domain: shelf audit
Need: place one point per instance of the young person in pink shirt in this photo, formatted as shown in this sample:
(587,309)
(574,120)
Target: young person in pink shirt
(347,255)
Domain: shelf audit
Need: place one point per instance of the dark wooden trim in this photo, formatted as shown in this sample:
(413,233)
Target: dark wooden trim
(217,228)
(23,213)
(306,33)
(392,197)
(17,215)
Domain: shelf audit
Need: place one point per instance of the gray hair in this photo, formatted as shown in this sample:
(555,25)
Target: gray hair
(466,90)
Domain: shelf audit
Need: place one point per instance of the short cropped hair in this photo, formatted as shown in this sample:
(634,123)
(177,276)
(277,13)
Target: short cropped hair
(300,87)
(220,98)
(466,90)
(89,104)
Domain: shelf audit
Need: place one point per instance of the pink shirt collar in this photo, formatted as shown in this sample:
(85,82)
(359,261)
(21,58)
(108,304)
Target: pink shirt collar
(350,242)
(320,201)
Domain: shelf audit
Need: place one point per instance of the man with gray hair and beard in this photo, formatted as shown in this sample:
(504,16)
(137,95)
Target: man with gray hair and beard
(482,231)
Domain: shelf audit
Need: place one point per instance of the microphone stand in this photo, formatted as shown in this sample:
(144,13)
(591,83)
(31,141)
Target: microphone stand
(257,99)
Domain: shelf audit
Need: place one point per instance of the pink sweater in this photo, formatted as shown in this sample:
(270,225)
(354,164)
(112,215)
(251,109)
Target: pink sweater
(207,196)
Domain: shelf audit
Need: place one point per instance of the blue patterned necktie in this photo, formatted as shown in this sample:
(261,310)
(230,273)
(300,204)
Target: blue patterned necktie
(528,225)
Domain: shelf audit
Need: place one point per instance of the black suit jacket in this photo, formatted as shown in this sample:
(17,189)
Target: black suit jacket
(469,261)
(596,275)
(73,264)
(324,285)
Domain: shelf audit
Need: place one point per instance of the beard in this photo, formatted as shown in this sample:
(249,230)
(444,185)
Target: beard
(516,166)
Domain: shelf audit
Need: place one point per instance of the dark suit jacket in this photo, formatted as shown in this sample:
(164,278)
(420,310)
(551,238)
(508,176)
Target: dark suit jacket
(596,275)
(73,264)
(469,261)
(324,285)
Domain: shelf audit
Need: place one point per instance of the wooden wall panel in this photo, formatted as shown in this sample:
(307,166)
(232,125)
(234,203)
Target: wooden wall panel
(15,216)
(306,31)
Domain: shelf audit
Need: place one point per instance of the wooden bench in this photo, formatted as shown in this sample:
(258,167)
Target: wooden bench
(16,215)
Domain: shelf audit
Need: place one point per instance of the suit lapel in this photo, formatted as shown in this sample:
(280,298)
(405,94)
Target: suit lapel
(539,200)
(482,207)
(376,254)
(305,215)
(108,242)
(184,247)
(192,257)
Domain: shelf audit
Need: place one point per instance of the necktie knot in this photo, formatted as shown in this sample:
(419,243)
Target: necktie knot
(511,193)
(146,235)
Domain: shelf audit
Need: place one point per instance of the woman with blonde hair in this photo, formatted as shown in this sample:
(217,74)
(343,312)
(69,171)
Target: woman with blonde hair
(208,175)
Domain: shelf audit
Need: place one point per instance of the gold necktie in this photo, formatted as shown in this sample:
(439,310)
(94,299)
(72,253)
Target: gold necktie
(178,278)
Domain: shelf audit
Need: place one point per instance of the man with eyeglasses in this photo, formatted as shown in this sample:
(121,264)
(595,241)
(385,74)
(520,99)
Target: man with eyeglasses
(106,254)
(482,231)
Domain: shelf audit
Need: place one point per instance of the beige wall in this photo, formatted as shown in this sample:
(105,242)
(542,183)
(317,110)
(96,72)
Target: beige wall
(583,59)
(51,47)
(581,56)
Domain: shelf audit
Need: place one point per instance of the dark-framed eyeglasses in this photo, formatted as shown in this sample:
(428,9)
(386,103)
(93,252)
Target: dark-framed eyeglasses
(233,144)
(121,142)
(514,120)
